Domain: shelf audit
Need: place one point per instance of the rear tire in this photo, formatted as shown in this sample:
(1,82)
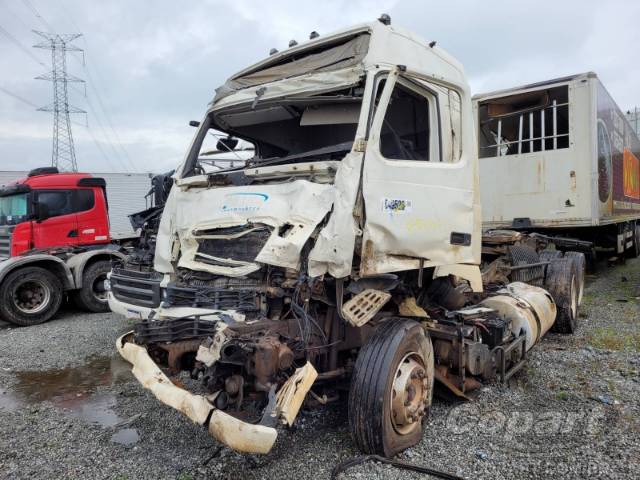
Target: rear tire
(634,252)
(29,296)
(391,388)
(93,296)
(548,255)
(580,263)
(562,283)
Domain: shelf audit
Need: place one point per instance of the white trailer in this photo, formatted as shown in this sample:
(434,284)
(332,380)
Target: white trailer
(560,157)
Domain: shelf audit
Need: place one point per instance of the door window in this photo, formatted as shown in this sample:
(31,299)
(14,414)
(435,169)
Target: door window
(58,202)
(65,202)
(406,132)
(83,200)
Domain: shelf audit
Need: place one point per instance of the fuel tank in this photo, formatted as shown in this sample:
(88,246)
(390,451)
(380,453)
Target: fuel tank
(530,310)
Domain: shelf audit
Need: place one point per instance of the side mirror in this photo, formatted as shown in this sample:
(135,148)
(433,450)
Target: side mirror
(227,144)
(42,212)
(194,123)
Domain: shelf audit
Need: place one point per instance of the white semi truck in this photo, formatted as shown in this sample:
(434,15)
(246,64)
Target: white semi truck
(560,158)
(343,257)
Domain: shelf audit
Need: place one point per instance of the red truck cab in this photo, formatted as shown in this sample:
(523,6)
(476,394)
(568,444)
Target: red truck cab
(48,209)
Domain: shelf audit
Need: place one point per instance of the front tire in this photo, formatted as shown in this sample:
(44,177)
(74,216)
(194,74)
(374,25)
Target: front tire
(391,388)
(29,296)
(93,296)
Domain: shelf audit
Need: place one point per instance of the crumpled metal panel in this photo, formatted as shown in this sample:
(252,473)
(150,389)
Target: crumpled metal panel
(300,204)
(334,247)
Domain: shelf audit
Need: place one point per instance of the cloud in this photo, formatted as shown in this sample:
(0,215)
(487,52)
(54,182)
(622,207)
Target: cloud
(155,65)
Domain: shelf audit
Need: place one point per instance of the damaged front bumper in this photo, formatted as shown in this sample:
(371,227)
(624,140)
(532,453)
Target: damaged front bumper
(232,432)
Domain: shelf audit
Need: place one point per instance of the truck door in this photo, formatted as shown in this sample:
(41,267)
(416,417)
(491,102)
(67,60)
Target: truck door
(93,221)
(61,226)
(418,187)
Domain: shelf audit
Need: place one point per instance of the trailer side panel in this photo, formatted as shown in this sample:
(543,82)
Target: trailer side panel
(618,164)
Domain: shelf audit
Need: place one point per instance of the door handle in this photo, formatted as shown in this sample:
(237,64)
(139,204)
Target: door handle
(72,233)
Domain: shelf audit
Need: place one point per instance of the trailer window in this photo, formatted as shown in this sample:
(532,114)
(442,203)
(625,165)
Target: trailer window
(524,123)
(406,128)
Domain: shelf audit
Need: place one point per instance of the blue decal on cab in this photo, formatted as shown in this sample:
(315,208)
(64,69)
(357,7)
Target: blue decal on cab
(242,206)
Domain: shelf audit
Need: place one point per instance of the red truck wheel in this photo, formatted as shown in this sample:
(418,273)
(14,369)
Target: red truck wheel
(29,296)
(93,296)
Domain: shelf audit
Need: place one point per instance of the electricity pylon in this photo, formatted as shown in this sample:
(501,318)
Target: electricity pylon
(63,155)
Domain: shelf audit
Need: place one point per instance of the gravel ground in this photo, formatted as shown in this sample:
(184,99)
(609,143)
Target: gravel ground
(69,408)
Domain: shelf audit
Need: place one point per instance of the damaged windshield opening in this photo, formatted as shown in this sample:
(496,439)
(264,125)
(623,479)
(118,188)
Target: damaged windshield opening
(309,128)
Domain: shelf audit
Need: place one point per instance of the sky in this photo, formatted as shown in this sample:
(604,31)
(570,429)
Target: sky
(150,67)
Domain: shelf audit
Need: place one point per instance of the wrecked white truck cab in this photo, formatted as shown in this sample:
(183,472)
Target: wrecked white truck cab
(343,257)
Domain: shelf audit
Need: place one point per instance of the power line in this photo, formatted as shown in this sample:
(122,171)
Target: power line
(121,155)
(30,6)
(91,82)
(18,97)
(93,86)
(16,16)
(20,45)
(106,136)
(96,87)
(97,143)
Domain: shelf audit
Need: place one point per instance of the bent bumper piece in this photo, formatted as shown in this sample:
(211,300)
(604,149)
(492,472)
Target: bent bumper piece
(236,434)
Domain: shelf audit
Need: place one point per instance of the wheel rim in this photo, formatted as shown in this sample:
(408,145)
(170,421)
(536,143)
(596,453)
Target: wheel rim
(581,288)
(99,292)
(409,394)
(32,296)
(574,298)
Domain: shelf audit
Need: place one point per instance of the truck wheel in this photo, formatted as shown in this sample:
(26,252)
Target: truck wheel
(391,388)
(580,262)
(562,283)
(635,250)
(93,296)
(29,296)
(548,255)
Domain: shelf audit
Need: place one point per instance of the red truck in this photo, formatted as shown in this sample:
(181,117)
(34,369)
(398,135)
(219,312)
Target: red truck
(54,240)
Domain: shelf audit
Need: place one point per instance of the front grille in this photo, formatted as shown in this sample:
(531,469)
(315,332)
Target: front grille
(155,331)
(135,287)
(236,243)
(5,241)
(244,300)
